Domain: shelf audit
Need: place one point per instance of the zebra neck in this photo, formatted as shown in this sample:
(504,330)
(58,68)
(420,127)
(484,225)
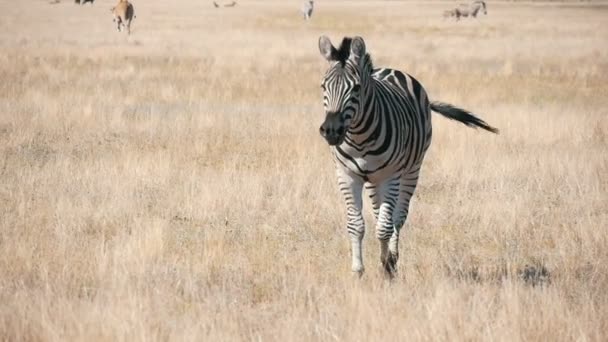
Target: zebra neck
(363,130)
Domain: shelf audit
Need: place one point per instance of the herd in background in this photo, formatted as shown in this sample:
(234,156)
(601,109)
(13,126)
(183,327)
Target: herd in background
(463,10)
(123,13)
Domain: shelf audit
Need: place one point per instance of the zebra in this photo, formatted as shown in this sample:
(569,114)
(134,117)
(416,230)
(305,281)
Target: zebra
(232,4)
(307,8)
(378,125)
(78,2)
(471,9)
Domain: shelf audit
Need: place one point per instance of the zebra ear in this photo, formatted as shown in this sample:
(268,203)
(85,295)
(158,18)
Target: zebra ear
(357,48)
(327,49)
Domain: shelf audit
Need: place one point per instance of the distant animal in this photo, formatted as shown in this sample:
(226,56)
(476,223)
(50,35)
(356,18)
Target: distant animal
(215,5)
(378,126)
(232,4)
(123,14)
(466,10)
(450,13)
(307,9)
(83,1)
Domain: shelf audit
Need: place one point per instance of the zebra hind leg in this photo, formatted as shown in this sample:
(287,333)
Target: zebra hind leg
(389,262)
(406,191)
(386,260)
(385,198)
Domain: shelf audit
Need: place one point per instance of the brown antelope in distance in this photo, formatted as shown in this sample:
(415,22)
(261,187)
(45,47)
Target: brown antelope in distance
(123,13)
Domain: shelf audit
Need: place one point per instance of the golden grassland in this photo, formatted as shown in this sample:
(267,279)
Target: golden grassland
(172,185)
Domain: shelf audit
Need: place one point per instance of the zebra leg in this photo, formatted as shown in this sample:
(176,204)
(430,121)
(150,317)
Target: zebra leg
(351,188)
(387,195)
(406,191)
(371,190)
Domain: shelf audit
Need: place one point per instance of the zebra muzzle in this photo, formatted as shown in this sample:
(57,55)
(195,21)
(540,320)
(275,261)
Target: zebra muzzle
(333,134)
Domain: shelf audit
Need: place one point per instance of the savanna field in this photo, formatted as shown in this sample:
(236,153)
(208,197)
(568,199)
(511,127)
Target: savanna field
(172,184)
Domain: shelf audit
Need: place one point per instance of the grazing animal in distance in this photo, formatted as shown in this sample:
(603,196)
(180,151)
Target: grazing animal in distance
(83,1)
(472,9)
(232,4)
(307,9)
(378,126)
(216,5)
(123,14)
(449,13)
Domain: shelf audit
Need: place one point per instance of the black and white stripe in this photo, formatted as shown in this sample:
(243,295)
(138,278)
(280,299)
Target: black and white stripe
(378,125)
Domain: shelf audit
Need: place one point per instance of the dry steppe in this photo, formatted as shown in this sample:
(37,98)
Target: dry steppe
(172,185)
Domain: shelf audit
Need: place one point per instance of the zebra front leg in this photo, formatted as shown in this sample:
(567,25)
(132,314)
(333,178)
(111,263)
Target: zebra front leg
(351,188)
(356,231)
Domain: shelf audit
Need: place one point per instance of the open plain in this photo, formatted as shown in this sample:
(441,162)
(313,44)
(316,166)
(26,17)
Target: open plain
(172,184)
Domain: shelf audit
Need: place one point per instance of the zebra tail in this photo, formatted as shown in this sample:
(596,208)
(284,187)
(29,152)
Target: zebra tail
(458,114)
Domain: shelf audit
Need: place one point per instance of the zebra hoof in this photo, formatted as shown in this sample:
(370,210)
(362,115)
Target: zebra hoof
(358,272)
(390,266)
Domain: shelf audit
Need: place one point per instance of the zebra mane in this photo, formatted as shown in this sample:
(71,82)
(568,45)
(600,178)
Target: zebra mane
(368,66)
(343,52)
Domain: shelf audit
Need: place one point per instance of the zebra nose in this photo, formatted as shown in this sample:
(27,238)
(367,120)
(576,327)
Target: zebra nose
(332,134)
(327,130)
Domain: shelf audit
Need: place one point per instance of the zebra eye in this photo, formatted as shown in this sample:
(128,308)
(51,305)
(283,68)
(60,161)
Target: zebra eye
(356,87)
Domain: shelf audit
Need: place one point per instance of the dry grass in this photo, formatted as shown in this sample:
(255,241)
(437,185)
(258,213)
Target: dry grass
(172,185)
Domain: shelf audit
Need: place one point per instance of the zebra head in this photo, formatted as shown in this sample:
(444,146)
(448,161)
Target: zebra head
(341,86)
